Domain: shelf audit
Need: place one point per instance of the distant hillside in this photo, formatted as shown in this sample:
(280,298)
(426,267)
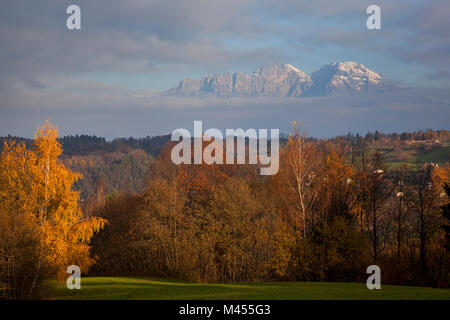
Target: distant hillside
(121,165)
(82,145)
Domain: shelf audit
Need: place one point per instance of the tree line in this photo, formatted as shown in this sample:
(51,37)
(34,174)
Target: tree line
(323,217)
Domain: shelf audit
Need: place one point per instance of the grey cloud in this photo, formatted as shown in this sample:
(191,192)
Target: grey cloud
(115,112)
(136,36)
(441,74)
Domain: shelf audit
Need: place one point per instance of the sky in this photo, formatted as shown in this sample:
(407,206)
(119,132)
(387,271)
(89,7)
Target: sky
(101,79)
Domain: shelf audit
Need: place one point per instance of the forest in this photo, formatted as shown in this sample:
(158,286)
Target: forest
(335,207)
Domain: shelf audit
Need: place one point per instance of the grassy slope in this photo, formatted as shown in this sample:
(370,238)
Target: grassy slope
(416,158)
(162,289)
(440,155)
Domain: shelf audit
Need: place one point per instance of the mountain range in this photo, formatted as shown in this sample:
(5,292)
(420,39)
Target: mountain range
(285,80)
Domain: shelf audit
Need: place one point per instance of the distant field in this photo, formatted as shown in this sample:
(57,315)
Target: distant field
(107,288)
(414,158)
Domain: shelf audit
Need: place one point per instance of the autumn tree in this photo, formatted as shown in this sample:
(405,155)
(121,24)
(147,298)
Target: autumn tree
(400,180)
(446,213)
(423,203)
(301,175)
(375,190)
(339,188)
(36,188)
(250,238)
(114,245)
(166,232)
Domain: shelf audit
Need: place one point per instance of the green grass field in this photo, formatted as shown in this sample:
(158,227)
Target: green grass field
(415,158)
(93,288)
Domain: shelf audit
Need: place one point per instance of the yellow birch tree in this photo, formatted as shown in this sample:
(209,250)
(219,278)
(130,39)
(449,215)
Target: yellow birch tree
(35,184)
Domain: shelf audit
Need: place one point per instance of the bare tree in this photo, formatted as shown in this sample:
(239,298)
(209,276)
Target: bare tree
(376,189)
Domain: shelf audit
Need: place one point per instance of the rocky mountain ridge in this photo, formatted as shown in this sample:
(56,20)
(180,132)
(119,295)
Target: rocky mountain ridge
(285,80)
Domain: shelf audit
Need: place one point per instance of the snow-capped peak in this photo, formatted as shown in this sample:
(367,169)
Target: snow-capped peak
(285,80)
(348,76)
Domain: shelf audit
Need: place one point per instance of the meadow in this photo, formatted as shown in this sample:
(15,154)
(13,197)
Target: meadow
(130,288)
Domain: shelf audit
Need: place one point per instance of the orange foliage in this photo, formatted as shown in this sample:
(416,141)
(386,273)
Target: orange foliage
(34,183)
